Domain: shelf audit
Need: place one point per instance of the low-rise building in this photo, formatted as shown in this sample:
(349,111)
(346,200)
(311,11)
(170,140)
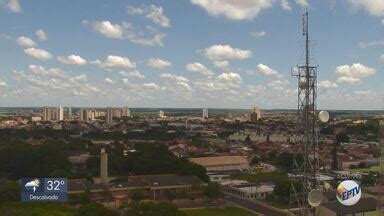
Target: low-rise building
(222,163)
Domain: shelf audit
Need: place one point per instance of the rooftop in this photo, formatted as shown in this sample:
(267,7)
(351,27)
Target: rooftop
(219,161)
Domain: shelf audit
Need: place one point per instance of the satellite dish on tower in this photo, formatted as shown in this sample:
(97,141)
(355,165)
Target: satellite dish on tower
(323,116)
(315,197)
(327,186)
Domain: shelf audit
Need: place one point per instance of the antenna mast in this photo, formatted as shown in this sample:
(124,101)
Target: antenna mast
(305,173)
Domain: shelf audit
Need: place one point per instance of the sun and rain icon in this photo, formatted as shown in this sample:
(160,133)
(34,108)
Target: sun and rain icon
(32,185)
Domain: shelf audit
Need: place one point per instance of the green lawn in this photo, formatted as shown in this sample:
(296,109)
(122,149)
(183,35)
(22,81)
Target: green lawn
(270,176)
(228,211)
(368,169)
(34,209)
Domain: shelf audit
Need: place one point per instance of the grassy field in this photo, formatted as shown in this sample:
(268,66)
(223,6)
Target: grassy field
(229,211)
(369,169)
(256,177)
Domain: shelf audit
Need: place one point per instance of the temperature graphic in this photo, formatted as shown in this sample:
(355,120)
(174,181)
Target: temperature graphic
(44,189)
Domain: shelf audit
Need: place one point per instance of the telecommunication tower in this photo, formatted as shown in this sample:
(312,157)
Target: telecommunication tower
(305,173)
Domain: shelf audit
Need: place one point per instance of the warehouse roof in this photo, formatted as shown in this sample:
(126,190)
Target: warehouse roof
(219,161)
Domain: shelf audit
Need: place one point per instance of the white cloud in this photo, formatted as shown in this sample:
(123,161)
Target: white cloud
(108,29)
(158,63)
(174,77)
(326,84)
(52,82)
(362,93)
(354,73)
(126,31)
(230,77)
(72,59)
(356,70)
(109,80)
(25,42)
(3,83)
(185,86)
(258,34)
(285,5)
(115,62)
(371,43)
(41,35)
(349,80)
(156,38)
(200,68)
(278,84)
(303,3)
(225,52)
(51,72)
(382,57)
(11,5)
(5,37)
(234,10)
(221,64)
(151,86)
(373,7)
(265,70)
(38,54)
(134,73)
(151,12)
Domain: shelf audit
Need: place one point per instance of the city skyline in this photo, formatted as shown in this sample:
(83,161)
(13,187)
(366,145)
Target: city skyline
(188,54)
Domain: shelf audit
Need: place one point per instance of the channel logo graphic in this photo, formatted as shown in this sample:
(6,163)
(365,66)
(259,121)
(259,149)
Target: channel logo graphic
(348,193)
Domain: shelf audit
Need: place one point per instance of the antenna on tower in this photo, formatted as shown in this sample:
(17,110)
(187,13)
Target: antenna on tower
(305,173)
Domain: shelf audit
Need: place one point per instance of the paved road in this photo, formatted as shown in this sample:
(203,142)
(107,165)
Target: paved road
(252,205)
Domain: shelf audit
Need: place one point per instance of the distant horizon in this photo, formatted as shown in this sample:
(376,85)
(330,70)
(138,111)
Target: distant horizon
(186,108)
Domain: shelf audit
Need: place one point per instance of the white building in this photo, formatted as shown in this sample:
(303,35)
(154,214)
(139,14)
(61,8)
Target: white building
(70,114)
(46,114)
(222,163)
(109,117)
(161,114)
(84,115)
(126,112)
(255,114)
(60,113)
(35,118)
(249,191)
(205,113)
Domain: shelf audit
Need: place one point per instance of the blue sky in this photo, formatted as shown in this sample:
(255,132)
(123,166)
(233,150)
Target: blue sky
(188,53)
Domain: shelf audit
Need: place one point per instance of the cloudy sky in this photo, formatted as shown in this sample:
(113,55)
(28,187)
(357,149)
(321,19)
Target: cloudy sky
(188,53)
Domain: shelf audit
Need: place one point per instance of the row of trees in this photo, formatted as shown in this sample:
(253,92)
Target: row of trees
(149,158)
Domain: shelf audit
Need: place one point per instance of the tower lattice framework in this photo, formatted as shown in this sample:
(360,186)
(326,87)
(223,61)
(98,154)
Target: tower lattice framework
(305,172)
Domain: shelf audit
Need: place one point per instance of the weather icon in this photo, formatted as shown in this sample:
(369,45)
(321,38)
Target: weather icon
(32,185)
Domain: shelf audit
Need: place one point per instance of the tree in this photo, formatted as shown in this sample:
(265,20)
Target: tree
(137,195)
(283,188)
(9,191)
(362,165)
(152,209)
(369,180)
(342,138)
(170,194)
(85,197)
(212,191)
(95,209)
(255,160)
(334,157)
(248,140)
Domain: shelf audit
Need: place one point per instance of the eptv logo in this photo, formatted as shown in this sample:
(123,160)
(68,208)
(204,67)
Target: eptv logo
(348,193)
